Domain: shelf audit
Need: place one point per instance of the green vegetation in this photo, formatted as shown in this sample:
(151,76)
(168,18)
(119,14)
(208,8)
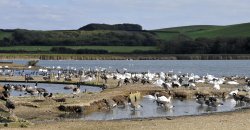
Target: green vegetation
(205,31)
(130,39)
(4,34)
(111,49)
(125,27)
(78,38)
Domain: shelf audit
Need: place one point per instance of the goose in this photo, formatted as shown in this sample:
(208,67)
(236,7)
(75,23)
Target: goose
(241,98)
(47,95)
(167,86)
(69,87)
(234,92)
(104,86)
(110,103)
(40,90)
(10,105)
(31,90)
(119,84)
(76,90)
(8,87)
(176,84)
(213,102)
(200,99)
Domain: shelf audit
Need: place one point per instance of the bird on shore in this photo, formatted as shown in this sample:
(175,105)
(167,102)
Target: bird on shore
(216,86)
(47,95)
(76,90)
(10,105)
(40,91)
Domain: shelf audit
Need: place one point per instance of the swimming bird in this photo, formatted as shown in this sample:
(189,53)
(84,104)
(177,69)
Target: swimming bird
(163,101)
(200,99)
(104,86)
(150,97)
(69,87)
(213,102)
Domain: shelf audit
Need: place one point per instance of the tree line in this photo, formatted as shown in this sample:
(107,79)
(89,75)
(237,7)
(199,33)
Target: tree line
(183,44)
(79,38)
(125,27)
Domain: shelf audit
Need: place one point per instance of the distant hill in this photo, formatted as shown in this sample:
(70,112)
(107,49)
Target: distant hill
(206,31)
(118,34)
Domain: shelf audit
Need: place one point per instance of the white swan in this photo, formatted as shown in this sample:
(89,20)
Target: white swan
(232,83)
(151,97)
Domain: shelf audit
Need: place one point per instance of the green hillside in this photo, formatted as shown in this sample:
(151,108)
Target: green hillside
(208,31)
(4,34)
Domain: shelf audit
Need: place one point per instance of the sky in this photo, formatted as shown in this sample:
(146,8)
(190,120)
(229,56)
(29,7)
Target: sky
(151,14)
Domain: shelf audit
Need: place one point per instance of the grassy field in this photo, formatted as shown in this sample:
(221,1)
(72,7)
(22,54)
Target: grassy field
(208,31)
(112,49)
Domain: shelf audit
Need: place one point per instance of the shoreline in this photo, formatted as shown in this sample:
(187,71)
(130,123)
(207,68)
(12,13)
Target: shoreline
(126,56)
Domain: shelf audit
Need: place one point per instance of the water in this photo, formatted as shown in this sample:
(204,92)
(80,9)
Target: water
(200,67)
(150,109)
(52,88)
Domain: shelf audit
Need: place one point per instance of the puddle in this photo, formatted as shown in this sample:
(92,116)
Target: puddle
(53,88)
(150,109)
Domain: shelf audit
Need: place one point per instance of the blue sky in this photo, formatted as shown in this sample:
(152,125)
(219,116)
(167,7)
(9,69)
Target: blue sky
(151,14)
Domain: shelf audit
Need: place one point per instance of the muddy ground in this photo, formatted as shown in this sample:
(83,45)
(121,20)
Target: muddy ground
(44,113)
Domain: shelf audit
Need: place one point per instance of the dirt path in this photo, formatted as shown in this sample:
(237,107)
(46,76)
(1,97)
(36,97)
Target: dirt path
(223,121)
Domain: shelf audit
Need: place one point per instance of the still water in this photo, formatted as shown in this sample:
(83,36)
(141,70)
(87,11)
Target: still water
(150,109)
(199,67)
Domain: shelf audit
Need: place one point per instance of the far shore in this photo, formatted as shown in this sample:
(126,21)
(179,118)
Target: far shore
(126,56)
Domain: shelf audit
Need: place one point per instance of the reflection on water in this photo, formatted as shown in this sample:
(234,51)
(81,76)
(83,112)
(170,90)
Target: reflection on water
(52,88)
(150,109)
